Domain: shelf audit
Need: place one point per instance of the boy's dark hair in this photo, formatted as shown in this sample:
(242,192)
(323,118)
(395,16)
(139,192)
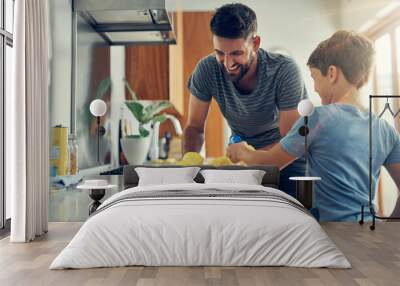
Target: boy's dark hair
(351,52)
(234,21)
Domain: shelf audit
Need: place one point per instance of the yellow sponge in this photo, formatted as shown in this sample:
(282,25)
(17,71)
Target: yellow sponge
(169,161)
(221,161)
(190,159)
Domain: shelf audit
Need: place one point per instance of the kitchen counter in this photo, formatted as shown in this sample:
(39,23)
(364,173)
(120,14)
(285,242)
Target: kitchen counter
(71,204)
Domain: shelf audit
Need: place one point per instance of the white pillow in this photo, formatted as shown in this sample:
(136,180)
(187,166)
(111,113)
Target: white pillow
(164,176)
(248,177)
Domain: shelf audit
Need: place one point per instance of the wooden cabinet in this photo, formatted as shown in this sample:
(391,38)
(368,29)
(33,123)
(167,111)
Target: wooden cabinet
(194,42)
(146,70)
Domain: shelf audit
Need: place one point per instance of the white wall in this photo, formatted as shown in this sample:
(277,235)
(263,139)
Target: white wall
(60,13)
(86,57)
(117,69)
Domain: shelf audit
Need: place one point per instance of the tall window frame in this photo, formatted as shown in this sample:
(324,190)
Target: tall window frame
(387,29)
(6,44)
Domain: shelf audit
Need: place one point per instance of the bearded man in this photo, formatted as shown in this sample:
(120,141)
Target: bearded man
(257,91)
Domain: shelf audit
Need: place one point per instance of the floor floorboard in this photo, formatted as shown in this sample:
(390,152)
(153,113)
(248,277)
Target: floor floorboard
(374,255)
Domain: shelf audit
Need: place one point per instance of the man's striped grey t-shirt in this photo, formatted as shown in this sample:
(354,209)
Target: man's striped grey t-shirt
(254,116)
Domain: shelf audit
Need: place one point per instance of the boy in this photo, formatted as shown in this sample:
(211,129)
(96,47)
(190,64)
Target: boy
(338,139)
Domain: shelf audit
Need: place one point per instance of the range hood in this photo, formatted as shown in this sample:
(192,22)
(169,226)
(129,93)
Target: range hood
(123,22)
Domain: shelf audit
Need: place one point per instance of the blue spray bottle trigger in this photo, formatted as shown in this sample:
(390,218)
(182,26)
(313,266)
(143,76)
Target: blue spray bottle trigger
(234,139)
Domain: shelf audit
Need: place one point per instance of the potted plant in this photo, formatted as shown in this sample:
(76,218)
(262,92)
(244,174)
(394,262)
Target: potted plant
(136,147)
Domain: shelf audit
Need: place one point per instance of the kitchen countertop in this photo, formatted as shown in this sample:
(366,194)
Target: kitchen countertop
(71,204)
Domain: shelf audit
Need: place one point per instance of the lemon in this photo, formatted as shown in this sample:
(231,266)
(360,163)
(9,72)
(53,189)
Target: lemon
(171,161)
(168,161)
(190,159)
(158,161)
(221,161)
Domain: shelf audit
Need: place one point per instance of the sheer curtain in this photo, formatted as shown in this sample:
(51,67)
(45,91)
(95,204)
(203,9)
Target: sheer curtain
(27,123)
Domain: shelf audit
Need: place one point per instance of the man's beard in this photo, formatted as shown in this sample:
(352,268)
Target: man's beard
(243,69)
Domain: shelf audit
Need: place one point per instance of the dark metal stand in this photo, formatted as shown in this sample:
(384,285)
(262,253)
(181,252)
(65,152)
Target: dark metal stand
(100,132)
(305,190)
(370,205)
(304,193)
(305,185)
(96,195)
(303,131)
(98,139)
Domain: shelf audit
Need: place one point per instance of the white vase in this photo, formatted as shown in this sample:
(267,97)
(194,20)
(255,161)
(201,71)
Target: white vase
(135,149)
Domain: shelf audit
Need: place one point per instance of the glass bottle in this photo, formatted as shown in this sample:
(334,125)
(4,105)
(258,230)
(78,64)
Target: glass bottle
(73,154)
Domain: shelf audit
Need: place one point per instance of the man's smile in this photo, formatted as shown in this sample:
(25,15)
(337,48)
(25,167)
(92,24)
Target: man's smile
(233,69)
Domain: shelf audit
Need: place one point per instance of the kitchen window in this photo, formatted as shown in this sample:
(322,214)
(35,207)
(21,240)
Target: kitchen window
(386,81)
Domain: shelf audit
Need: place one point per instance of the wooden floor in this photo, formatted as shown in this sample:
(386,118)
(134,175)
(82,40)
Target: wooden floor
(375,257)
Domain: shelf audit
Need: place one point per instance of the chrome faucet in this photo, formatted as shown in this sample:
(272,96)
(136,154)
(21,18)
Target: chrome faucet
(154,152)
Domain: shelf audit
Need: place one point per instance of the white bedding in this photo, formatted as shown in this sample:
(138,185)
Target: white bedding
(200,231)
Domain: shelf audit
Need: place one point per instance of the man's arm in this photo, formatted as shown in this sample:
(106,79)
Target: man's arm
(275,156)
(291,90)
(286,120)
(394,171)
(193,134)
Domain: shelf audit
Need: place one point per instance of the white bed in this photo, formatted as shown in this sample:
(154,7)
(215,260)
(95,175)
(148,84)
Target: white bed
(183,230)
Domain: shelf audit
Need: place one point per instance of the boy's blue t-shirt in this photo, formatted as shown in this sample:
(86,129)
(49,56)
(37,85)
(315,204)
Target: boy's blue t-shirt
(338,151)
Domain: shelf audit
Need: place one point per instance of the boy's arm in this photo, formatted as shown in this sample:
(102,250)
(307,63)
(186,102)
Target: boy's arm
(275,156)
(394,171)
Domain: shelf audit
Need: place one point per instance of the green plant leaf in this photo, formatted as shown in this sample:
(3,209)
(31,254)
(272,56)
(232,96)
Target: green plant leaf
(143,131)
(161,106)
(160,118)
(148,109)
(137,110)
(136,136)
(103,87)
(130,90)
(155,108)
